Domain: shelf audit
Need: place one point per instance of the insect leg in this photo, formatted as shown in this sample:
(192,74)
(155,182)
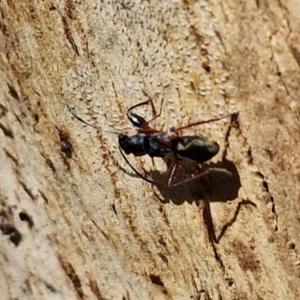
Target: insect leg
(172,176)
(176,130)
(135,119)
(174,169)
(134,170)
(139,121)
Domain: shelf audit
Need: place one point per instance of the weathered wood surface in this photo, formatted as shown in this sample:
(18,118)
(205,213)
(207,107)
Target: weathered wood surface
(78,226)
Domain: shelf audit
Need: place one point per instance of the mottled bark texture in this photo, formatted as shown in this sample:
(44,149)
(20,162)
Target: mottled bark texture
(76,223)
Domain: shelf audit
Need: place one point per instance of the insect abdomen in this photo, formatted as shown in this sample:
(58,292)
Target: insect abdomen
(195,148)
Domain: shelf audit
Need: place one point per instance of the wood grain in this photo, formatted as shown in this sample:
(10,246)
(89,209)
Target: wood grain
(76,223)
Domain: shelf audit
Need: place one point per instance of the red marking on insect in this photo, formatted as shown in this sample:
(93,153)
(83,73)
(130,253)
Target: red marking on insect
(173,148)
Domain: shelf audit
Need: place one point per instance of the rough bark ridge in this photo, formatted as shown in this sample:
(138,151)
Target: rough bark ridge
(76,224)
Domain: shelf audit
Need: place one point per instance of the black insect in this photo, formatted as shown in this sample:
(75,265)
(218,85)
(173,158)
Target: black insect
(65,145)
(173,148)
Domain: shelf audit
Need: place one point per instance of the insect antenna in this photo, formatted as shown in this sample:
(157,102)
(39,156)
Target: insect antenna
(88,124)
(113,132)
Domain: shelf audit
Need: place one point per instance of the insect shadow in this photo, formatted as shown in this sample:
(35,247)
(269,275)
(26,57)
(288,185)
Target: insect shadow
(214,187)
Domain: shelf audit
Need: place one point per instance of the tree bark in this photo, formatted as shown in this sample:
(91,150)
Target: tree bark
(76,222)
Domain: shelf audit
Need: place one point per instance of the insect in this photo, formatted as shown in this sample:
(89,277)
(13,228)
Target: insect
(173,148)
(65,145)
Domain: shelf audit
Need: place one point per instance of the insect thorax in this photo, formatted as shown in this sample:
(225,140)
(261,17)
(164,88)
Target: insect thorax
(142,144)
